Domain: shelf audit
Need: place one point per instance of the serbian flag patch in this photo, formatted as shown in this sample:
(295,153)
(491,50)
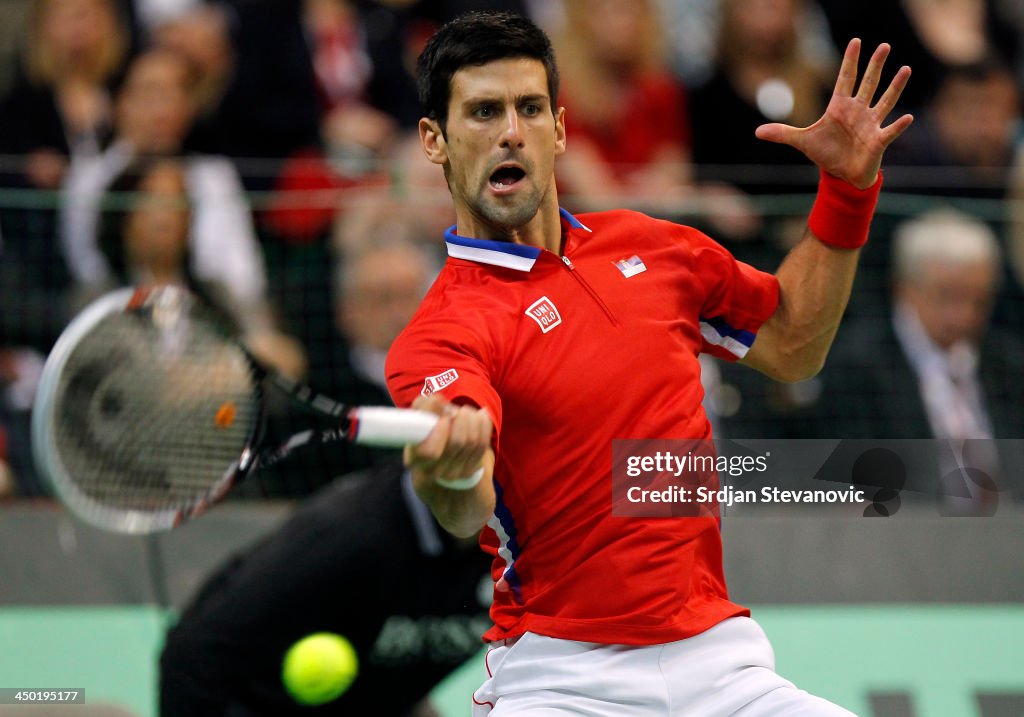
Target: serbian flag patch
(631,267)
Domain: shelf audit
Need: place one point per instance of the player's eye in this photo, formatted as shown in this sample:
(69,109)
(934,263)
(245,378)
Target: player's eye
(531,109)
(484,112)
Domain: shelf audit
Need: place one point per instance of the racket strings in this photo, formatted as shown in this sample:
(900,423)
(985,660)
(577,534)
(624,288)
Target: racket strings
(156,409)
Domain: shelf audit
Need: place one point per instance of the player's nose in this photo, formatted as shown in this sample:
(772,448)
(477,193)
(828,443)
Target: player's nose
(511,135)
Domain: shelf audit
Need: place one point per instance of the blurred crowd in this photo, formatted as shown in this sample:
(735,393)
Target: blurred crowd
(265,154)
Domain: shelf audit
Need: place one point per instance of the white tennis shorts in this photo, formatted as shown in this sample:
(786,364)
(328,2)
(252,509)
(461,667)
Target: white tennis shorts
(727,670)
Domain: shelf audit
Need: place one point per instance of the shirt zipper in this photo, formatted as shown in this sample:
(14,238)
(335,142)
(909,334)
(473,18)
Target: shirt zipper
(589,289)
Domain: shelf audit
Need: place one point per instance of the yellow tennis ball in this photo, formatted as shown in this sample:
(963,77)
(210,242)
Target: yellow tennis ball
(319,668)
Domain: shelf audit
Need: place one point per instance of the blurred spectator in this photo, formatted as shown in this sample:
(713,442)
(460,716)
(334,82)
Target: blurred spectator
(393,35)
(60,105)
(377,286)
(256,96)
(882,376)
(155,108)
(13,20)
(147,243)
(954,31)
(626,115)
(377,292)
(876,21)
(961,148)
(762,74)
(627,119)
(355,136)
(691,27)
(930,36)
(349,66)
(968,131)
(57,108)
(360,57)
(415,205)
(356,133)
(935,368)
(202,34)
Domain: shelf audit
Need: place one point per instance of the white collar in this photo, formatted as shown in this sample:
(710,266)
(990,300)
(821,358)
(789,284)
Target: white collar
(501,253)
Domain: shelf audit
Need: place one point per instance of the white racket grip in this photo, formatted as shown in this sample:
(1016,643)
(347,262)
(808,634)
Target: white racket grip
(390,427)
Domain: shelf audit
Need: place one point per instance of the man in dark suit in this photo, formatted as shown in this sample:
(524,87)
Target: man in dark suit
(936,368)
(362,558)
(377,284)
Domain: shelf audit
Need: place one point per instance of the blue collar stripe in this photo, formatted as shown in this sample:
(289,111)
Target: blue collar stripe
(500,253)
(496,253)
(572,221)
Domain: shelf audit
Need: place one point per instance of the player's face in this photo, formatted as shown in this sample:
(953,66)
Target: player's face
(500,145)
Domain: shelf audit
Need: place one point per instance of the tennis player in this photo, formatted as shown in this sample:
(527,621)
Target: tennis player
(548,335)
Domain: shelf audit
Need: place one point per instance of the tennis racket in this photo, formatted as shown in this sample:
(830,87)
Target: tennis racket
(149,410)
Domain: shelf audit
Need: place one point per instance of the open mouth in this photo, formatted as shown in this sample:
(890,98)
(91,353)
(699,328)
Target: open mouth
(506,177)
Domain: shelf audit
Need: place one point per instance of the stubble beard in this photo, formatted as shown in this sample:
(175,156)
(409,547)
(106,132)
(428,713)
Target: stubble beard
(512,213)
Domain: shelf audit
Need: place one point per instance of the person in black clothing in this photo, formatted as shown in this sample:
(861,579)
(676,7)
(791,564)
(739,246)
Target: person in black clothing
(375,287)
(965,142)
(762,74)
(363,558)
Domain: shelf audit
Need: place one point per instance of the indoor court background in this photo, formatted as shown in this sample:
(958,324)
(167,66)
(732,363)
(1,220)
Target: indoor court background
(918,615)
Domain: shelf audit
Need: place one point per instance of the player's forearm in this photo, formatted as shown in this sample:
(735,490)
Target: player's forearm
(461,512)
(452,467)
(815,281)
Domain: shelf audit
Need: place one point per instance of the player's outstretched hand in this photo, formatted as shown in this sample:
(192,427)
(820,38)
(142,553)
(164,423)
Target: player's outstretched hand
(849,139)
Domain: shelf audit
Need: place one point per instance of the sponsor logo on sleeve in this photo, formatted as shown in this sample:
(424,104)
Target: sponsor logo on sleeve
(441,380)
(543,311)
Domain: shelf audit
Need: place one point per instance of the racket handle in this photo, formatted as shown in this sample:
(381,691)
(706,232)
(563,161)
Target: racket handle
(389,427)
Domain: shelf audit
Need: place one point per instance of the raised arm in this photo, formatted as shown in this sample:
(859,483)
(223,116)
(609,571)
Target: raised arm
(816,277)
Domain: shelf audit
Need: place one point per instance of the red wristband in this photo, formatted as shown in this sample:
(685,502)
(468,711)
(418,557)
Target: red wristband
(841,215)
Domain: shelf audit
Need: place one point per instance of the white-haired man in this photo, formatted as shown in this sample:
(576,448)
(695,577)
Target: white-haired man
(937,369)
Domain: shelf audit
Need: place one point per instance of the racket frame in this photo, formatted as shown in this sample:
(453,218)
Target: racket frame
(372,425)
(44,431)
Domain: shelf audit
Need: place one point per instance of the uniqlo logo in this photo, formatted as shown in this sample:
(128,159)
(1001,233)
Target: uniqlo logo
(543,311)
(436,383)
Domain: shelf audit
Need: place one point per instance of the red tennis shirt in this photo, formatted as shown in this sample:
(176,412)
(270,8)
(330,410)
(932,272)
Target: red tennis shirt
(567,353)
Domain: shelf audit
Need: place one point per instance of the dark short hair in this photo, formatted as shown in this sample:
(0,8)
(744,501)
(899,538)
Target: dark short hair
(120,201)
(477,38)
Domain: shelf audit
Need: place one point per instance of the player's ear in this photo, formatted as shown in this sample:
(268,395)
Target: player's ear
(434,144)
(560,131)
